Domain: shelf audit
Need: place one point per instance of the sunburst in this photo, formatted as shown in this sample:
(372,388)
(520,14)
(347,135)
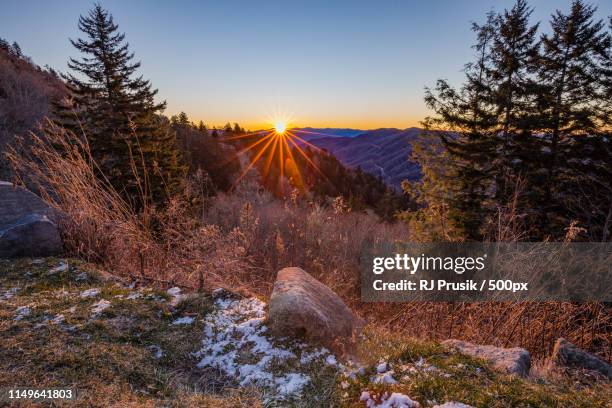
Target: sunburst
(280,127)
(278,144)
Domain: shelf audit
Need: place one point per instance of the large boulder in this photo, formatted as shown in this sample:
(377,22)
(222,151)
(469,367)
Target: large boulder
(26,228)
(510,360)
(301,306)
(567,355)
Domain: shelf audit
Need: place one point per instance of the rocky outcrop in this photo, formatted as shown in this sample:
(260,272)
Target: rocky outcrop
(510,360)
(566,355)
(302,306)
(25,225)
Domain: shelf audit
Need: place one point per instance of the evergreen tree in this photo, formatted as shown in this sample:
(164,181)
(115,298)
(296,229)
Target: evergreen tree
(529,111)
(183,119)
(466,124)
(576,70)
(237,129)
(4,45)
(133,144)
(202,127)
(16,50)
(513,53)
(575,81)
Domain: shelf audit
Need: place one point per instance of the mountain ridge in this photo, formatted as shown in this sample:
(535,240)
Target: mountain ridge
(384,152)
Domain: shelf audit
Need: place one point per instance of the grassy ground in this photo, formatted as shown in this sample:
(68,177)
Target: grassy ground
(111,358)
(430,374)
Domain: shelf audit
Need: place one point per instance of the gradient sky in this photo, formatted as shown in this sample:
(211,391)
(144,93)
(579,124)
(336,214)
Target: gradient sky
(329,63)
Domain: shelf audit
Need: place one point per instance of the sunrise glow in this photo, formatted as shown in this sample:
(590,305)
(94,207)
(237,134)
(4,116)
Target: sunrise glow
(280,127)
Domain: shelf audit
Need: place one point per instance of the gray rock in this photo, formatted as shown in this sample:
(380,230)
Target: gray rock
(25,225)
(567,355)
(510,360)
(301,306)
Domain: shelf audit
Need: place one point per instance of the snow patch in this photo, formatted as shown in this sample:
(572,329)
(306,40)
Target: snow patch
(176,295)
(395,400)
(134,295)
(331,360)
(62,267)
(174,291)
(291,383)
(183,320)
(81,277)
(384,378)
(10,293)
(99,307)
(157,351)
(453,405)
(58,319)
(22,312)
(236,342)
(93,292)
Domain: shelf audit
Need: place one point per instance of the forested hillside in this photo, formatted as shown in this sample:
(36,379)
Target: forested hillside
(382,152)
(26,93)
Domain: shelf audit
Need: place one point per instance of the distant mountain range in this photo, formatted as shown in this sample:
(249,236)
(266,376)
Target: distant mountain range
(382,152)
(338,132)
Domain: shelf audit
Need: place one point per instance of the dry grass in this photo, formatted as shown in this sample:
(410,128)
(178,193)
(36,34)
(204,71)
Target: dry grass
(240,240)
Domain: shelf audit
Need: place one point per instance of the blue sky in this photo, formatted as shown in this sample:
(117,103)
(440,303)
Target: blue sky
(320,63)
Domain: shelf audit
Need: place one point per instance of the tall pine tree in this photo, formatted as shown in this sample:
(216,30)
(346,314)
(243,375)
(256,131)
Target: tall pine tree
(115,109)
(534,111)
(466,122)
(574,67)
(570,68)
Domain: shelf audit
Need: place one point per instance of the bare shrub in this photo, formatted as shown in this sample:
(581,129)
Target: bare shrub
(169,245)
(325,242)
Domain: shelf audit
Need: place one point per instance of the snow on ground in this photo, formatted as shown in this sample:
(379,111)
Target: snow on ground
(184,320)
(81,277)
(93,292)
(236,342)
(174,291)
(134,295)
(393,400)
(384,378)
(63,266)
(22,312)
(176,295)
(99,307)
(156,350)
(58,319)
(10,293)
(453,405)
(384,374)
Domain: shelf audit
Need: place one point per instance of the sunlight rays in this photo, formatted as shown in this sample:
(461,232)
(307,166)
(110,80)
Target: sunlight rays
(276,145)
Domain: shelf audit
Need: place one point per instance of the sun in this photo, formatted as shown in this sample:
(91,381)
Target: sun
(280,127)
